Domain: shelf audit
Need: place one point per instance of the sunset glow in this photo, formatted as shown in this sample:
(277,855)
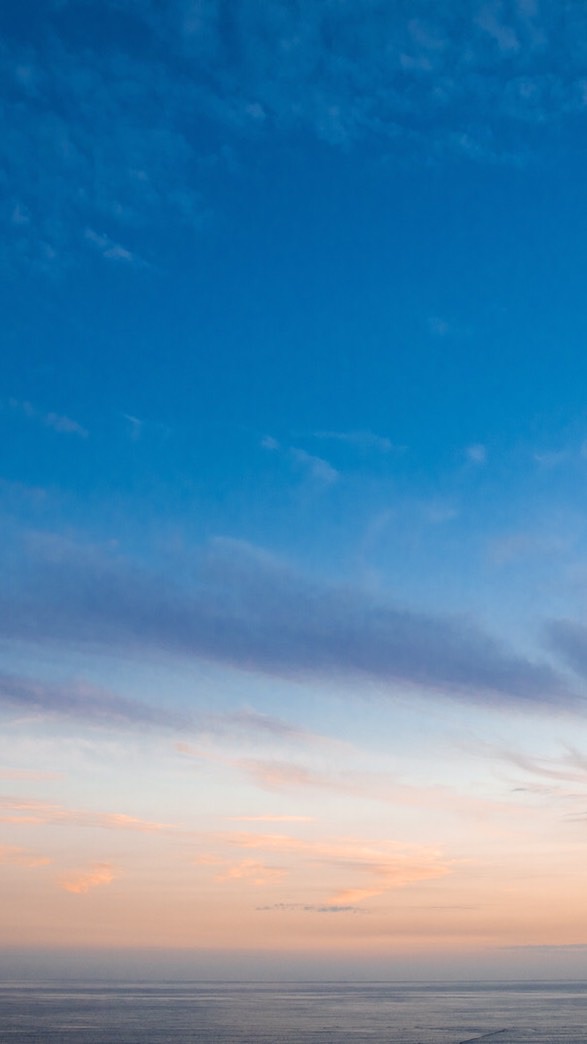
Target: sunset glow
(294,556)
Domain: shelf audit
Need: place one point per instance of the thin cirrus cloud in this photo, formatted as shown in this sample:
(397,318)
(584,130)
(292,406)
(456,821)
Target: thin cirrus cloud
(14,855)
(108,248)
(376,866)
(292,777)
(25,811)
(569,639)
(570,767)
(316,468)
(56,421)
(313,468)
(82,702)
(441,78)
(256,873)
(83,881)
(361,440)
(248,609)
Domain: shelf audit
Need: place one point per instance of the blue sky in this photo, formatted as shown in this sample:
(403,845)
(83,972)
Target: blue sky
(294,440)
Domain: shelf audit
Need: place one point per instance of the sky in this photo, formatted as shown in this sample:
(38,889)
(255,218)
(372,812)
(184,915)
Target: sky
(293,463)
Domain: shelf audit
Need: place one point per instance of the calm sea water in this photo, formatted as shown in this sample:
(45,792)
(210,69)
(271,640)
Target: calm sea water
(288,1013)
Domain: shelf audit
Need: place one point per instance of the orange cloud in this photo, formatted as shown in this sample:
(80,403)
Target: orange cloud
(12,855)
(257,873)
(386,865)
(80,883)
(33,812)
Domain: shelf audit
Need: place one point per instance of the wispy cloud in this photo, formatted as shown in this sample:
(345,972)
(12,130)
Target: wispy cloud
(316,468)
(249,609)
(476,453)
(570,767)
(135,426)
(377,866)
(26,811)
(119,120)
(549,459)
(108,248)
(250,722)
(57,422)
(81,701)
(13,855)
(291,777)
(257,873)
(313,468)
(83,881)
(569,639)
(519,545)
(361,440)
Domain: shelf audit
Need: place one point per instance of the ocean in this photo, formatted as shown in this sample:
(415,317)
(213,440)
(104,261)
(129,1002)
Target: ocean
(289,1013)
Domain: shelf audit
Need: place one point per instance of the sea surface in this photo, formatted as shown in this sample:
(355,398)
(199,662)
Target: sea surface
(288,1013)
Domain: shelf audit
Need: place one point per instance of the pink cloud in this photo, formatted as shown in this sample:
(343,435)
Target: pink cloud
(82,882)
(257,873)
(33,812)
(12,855)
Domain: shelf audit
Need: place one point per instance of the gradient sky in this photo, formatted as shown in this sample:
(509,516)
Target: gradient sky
(294,455)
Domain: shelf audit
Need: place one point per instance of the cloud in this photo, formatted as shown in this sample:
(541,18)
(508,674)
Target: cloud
(551,458)
(312,468)
(273,775)
(128,114)
(315,468)
(248,609)
(81,701)
(251,723)
(108,248)
(269,443)
(311,908)
(438,327)
(569,768)
(82,882)
(257,873)
(381,866)
(361,440)
(513,546)
(135,426)
(285,775)
(35,812)
(12,855)
(55,421)
(476,453)
(569,639)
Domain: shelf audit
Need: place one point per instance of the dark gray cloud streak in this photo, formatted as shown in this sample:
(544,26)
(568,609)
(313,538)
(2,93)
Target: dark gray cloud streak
(246,609)
(311,908)
(82,702)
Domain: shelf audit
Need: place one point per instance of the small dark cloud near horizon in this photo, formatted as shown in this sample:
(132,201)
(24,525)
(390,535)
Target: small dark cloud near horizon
(323,908)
